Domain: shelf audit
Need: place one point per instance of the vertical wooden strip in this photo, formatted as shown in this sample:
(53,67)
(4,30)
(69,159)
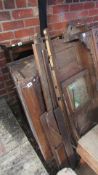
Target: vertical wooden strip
(49,79)
(54,139)
(41,70)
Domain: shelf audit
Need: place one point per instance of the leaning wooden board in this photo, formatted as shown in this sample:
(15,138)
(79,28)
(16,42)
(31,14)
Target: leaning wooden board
(29,90)
(48,119)
(88,148)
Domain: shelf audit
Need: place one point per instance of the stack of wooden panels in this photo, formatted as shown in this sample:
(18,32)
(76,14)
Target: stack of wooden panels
(57,89)
(70,67)
(55,127)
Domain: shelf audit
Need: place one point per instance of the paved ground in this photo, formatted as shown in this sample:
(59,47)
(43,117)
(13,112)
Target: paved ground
(17,157)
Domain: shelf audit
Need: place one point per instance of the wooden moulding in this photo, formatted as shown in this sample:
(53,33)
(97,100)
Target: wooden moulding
(83,74)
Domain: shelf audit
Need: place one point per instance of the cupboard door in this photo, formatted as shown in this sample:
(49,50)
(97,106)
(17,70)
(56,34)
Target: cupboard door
(67,58)
(30,93)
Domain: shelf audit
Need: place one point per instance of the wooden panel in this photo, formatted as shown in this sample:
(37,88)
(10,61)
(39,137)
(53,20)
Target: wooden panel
(67,58)
(54,138)
(95,52)
(48,119)
(63,130)
(42,64)
(63,117)
(42,73)
(23,69)
(82,119)
(88,148)
(87,55)
(49,78)
(91,41)
(77,96)
(29,90)
(33,106)
(95,37)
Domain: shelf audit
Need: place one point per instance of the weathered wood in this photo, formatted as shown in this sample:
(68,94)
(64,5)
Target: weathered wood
(62,129)
(48,119)
(71,33)
(88,148)
(82,74)
(58,91)
(71,59)
(54,138)
(33,106)
(49,79)
(30,93)
(95,47)
(67,58)
(90,40)
(52,61)
(42,73)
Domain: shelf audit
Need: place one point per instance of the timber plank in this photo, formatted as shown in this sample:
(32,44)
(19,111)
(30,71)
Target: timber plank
(42,73)
(54,138)
(32,102)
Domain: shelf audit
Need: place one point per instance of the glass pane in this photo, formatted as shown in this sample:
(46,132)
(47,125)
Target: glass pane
(77,92)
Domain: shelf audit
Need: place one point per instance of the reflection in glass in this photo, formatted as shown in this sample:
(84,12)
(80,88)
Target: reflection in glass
(77,92)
